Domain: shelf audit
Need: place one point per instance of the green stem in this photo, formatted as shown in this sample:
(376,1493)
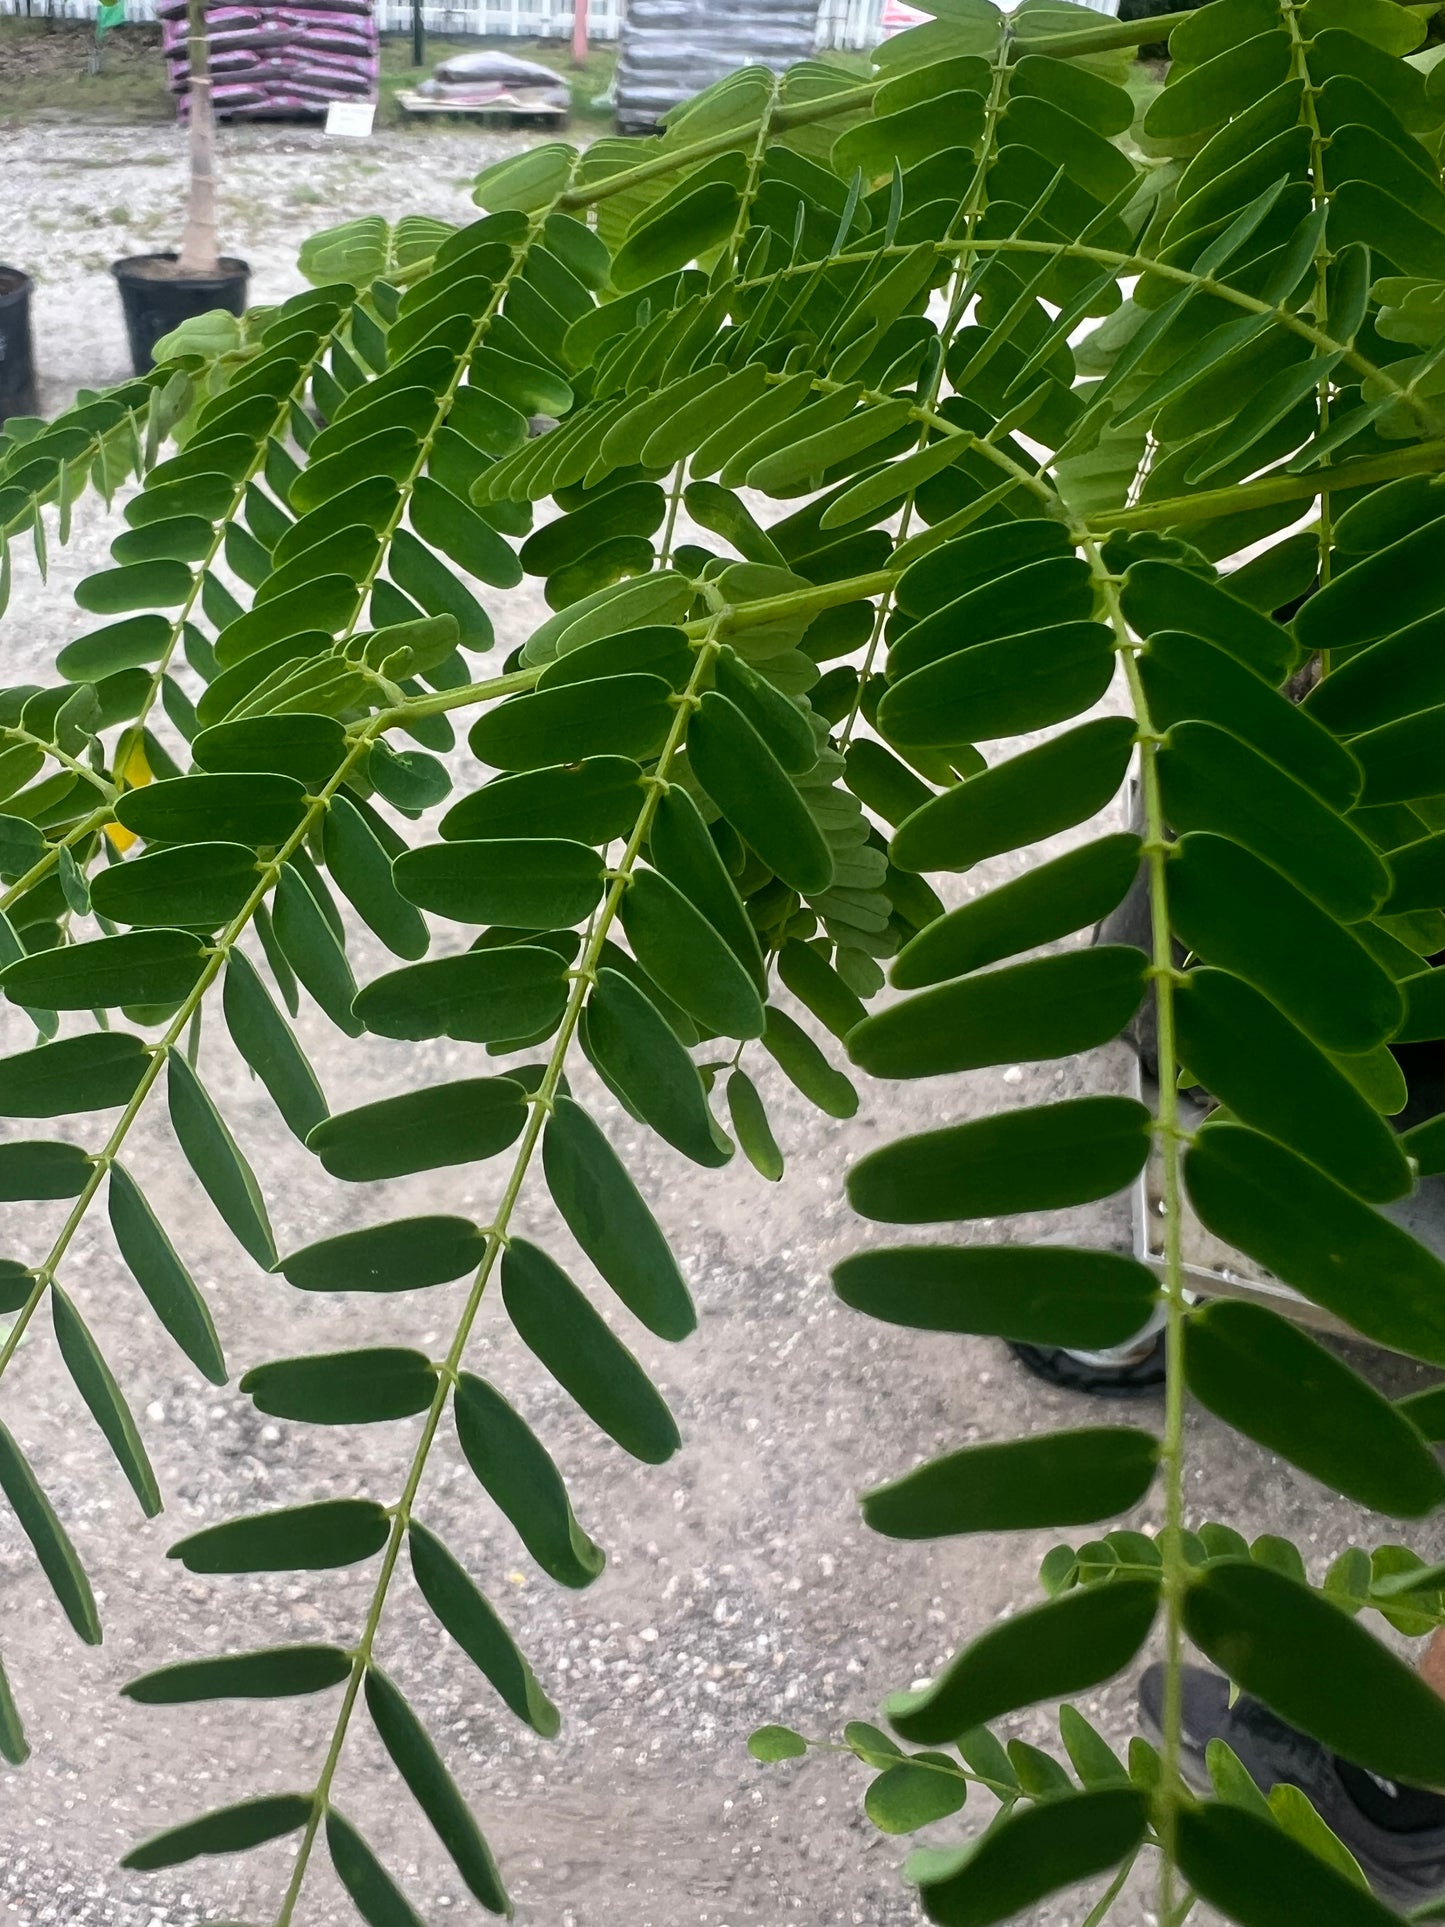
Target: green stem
(583,978)
(1421,458)
(1102,1907)
(1170,1139)
(1319,194)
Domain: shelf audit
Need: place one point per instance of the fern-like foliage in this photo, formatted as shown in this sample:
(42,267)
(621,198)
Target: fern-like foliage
(882,423)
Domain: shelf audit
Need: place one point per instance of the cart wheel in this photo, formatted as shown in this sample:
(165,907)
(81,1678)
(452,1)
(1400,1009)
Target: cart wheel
(1131,1377)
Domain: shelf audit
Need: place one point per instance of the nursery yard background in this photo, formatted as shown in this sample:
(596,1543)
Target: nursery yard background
(741,1587)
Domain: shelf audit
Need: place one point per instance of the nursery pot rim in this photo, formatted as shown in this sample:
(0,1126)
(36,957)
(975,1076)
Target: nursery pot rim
(228,267)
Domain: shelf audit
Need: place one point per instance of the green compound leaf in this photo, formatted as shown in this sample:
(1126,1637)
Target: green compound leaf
(361,869)
(42,1169)
(434,1790)
(1318,1668)
(217,1160)
(344,1388)
(1032,1160)
(476,1628)
(200,885)
(635,1049)
(1024,1013)
(773,1743)
(138,968)
(588,802)
(1004,688)
(556,1322)
(1051,788)
(914,1793)
(1240,914)
(447,1124)
(14,1747)
(277,1672)
(1057,1479)
(686,957)
(514,1466)
(232,1829)
(403,1256)
(1064,1646)
(806,1067)
(104,1399)
(1251,1058)
(684,852)
(314,949)
(1313,1234)
(616,716)
(1256,1874)
(156,1267)
(307,748)
(1271,1381)
(1035,1294)
(482,997)
(260,811)
(606,1214)
(1032,1854)
(93,1072)
(538,883)
(265,1041)
(374,1893)
(302,1538)
(1048,902)
(37,1520)
(751,788)
(749,1119)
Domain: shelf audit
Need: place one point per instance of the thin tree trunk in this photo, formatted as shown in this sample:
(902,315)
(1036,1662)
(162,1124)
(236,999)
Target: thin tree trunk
(198,241)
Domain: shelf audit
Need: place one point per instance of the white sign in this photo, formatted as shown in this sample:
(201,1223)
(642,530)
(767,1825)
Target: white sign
(350,119)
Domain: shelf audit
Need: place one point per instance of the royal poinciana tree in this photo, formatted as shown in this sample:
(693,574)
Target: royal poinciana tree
(987,402)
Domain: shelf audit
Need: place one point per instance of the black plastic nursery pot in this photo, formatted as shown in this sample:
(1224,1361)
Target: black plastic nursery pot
(17,353)
(156,299)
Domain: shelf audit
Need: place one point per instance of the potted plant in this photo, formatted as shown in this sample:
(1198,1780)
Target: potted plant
(159,291)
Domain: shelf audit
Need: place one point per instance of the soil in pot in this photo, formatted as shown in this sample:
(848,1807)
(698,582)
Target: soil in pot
(156,297)
(17,355)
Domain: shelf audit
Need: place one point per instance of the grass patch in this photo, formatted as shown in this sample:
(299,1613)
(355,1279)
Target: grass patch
(45,74)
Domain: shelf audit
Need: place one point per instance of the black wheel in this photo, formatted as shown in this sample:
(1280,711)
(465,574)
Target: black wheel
(1134,1377)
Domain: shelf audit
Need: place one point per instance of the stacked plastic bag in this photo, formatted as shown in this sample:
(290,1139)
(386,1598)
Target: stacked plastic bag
(499,81)
(276,62)
(672,49)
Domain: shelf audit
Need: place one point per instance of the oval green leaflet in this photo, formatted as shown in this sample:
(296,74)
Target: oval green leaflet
(401,1256)
(424,1130)
(538,883)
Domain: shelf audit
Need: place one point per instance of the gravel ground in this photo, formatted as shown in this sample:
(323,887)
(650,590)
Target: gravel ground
(741,1587)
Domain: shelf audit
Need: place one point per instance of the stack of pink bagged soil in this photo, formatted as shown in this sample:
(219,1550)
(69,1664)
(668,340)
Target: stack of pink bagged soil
(275,62)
